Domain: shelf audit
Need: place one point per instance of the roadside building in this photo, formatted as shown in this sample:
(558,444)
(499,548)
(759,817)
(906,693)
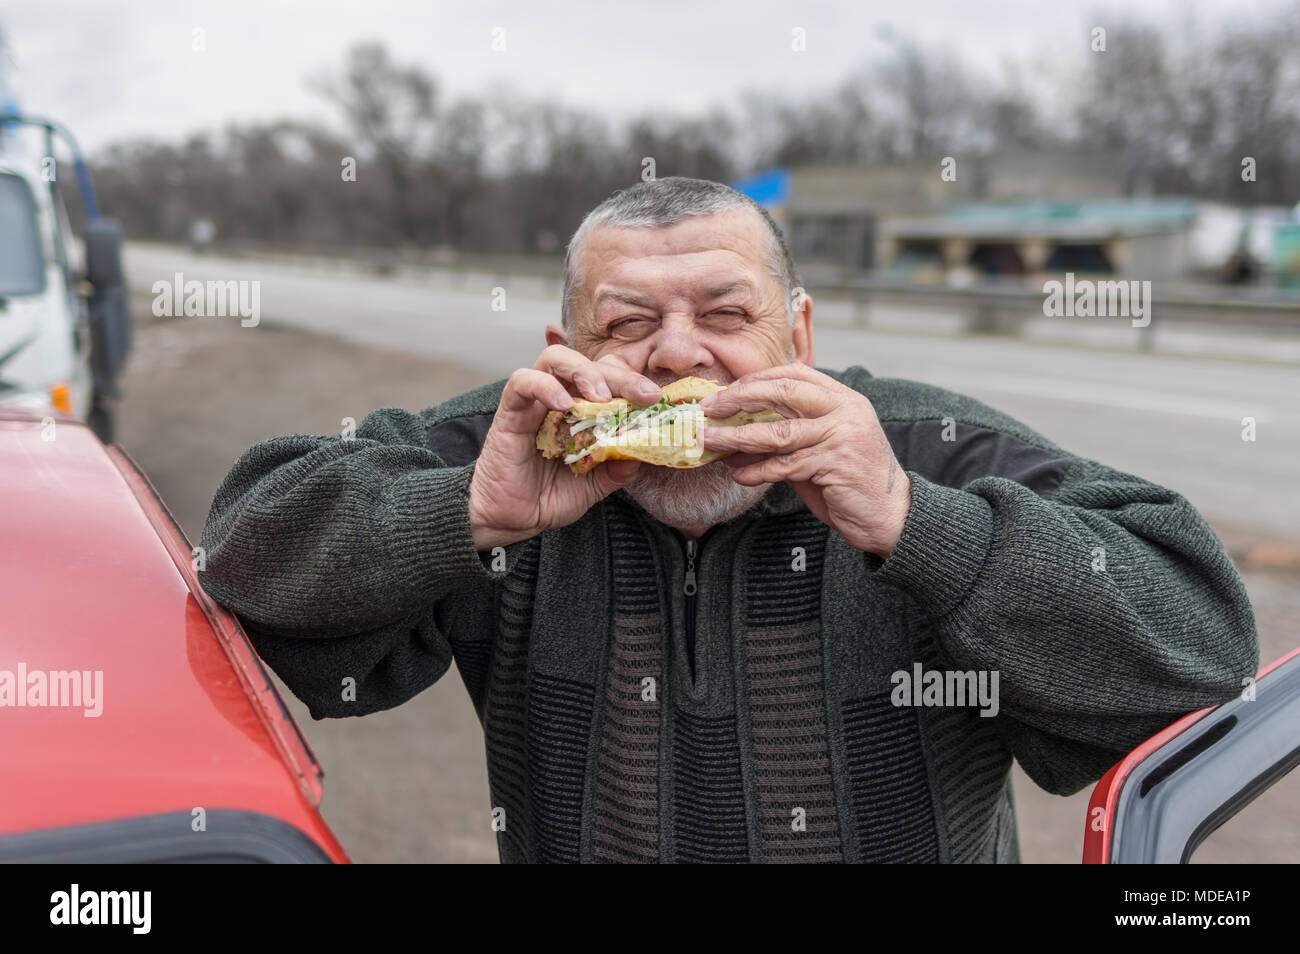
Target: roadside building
(1149,238)
(840,219)
(1015,217)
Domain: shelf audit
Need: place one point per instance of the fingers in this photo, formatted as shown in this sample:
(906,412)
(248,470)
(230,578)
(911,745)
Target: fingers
(613,474)
(625,382)
(598,380)
(527,396)
(736,461)
(789,397)
(766,438)
(797,370)
(603,480)
(531,392)
(789,450)
(803,464)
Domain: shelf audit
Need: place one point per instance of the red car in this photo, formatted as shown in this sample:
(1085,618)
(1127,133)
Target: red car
(138,722)
(182,749)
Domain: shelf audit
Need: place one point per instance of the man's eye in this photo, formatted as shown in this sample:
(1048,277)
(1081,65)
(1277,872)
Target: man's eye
(726,319)
(630,328)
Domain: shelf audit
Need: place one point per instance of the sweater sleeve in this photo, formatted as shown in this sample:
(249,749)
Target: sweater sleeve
(1108,607)
(350,561)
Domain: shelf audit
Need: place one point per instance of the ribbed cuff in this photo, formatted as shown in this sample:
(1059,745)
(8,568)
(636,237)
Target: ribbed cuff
(944,544)
(439,502)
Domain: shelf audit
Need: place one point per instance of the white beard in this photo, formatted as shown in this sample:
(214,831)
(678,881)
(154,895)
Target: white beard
(694,498)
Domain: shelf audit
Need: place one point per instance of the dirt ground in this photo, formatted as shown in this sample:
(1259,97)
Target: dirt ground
(410,784)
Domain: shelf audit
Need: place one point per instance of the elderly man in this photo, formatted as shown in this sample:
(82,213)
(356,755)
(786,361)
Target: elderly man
(826,647)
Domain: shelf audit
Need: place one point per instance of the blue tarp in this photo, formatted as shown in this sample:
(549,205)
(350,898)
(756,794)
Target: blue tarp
(767,189)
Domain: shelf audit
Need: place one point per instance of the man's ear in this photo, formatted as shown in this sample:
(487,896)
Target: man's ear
(802,332)
(555,335)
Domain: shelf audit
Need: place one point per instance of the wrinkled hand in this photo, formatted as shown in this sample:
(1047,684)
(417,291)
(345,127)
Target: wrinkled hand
(831,450)
(515,492)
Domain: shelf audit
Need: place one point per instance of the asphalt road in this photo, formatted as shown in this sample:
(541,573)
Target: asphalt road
(410,784)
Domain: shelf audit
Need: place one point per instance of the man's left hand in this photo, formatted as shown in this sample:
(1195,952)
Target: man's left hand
(830,449)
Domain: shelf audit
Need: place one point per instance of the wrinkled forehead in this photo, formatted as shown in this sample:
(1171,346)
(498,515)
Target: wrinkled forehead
(676,260)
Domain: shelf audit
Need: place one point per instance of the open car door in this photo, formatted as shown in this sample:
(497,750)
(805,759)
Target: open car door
(1173,791)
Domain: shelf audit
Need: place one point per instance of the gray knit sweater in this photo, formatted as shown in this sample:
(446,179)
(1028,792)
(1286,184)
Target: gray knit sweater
(1103,603)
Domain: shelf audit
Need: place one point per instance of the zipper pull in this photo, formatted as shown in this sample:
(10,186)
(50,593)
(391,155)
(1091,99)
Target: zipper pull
(690,568)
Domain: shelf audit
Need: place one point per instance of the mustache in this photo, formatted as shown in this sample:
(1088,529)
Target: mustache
(665,378)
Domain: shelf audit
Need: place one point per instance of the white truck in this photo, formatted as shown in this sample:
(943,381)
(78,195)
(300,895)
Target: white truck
(65,326)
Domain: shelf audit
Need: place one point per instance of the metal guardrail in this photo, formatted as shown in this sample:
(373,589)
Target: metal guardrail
(989,308)
(994,309)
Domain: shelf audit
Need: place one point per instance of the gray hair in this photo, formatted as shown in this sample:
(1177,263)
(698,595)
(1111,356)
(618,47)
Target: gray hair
(662,202)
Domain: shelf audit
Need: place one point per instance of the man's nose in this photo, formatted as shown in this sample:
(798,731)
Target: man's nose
(677,349)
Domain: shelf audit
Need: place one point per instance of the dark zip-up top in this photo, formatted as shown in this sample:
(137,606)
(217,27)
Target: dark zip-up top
(756,718)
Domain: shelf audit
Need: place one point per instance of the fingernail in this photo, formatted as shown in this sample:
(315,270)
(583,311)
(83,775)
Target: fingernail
(602,390)
(564,399)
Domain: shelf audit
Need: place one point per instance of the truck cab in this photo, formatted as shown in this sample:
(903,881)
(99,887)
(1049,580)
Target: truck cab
(64,318)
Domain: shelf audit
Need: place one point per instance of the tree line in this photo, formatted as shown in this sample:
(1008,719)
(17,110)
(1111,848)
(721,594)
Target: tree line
(504,172)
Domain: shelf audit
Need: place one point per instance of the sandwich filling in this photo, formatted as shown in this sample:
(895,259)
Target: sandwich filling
(668,433)
(659,425)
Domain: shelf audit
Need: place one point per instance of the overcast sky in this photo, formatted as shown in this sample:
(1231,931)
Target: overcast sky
(116,68)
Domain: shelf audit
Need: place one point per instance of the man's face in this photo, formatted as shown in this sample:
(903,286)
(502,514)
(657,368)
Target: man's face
(695,298)
(691,299)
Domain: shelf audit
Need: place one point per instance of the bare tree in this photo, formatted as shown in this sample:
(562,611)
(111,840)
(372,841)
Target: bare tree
(391,112)
(503,171)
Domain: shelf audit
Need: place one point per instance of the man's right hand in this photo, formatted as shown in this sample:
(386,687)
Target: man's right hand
(516,493)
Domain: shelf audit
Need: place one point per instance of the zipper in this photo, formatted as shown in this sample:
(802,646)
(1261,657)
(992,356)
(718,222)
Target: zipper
(689,589)
(691,548)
